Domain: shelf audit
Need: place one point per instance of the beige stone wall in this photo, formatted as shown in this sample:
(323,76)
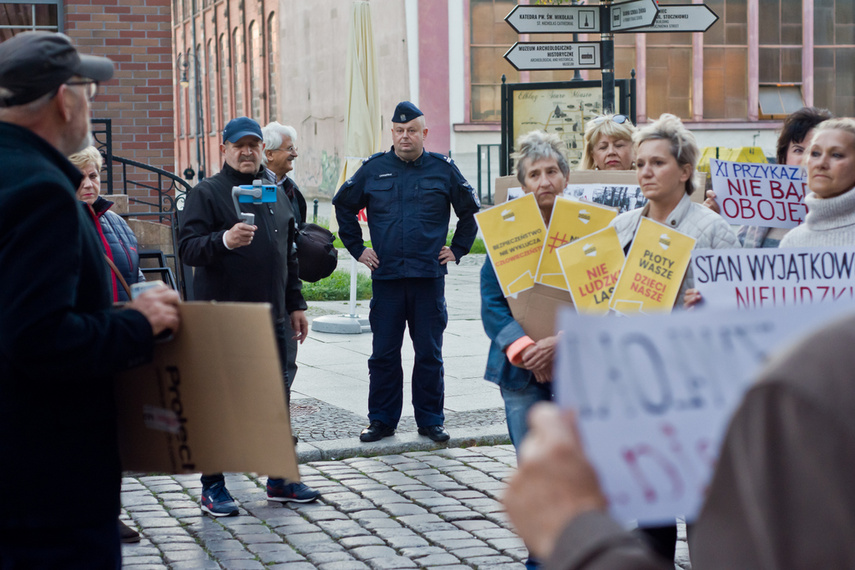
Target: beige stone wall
(313,49)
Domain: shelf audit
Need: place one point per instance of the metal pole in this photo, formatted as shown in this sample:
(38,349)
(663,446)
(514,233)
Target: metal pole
(577,75)
(315,214)
(608,46)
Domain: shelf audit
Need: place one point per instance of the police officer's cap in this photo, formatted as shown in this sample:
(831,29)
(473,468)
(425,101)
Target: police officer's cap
(406,112)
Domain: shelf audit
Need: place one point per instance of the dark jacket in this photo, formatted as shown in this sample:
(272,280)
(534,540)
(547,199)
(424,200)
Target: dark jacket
(60,344)
(120,244)
(265,271)
(408,207)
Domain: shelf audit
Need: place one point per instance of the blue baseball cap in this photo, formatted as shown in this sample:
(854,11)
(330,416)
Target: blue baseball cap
(238,128)
(406,112)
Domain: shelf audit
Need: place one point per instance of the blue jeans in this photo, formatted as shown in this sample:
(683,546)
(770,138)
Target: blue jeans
(284,343)
(517,405)
(418,304)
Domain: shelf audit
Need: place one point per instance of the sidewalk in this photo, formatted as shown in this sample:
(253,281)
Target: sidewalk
(329,403)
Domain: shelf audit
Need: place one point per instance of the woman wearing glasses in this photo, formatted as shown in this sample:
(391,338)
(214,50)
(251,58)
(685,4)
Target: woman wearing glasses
(608,144)
(120,243)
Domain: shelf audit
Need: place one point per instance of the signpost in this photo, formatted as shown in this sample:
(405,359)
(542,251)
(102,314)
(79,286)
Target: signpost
(681,18)
(554,55)
(554,19)
(634,16)
(630,15)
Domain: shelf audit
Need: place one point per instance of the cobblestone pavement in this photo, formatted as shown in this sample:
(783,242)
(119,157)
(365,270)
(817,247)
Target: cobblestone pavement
(436,509)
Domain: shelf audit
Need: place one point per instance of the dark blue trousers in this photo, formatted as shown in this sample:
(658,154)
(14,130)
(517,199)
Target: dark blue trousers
(66,548)
(418,304)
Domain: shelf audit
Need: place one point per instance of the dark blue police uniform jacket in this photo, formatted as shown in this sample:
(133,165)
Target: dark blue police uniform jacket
(408,211)
(408,204)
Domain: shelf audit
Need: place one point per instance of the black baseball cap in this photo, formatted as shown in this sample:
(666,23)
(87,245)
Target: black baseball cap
(406,112)
(33,64)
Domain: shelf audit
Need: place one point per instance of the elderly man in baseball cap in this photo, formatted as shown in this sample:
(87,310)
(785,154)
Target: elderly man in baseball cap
(61,341)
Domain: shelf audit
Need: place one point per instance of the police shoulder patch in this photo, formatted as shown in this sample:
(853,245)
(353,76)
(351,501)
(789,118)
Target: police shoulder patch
(441,157)
(373,156)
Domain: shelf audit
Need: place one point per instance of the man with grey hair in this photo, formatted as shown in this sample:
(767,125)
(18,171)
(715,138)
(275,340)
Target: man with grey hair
(280,151)
(61,341)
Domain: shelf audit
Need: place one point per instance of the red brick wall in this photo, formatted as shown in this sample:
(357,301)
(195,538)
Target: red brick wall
(137,37)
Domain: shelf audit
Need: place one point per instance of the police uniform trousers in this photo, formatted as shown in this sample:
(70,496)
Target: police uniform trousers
(418,303)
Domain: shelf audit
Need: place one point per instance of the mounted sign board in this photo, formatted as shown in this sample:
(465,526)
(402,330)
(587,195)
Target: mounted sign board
(631,15)
(680,18)
(529,56)
(554,19)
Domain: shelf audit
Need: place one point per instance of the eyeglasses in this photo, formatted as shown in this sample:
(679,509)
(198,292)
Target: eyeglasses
(90,88)
(619,119)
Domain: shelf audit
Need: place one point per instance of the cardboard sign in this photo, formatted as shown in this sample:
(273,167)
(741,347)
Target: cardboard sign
(752,194)
(571,220)
(212,400)
(513,233)
(506,188)
(757,278)
(537,309)
(592,267)
(654,269)
(653,396)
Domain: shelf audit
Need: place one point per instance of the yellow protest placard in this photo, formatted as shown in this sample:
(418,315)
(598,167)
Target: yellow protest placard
(591,266)
(571,220)
(513,233)
(654,268)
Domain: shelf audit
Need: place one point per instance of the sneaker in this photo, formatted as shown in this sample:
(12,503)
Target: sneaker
(217,502)
(282,492)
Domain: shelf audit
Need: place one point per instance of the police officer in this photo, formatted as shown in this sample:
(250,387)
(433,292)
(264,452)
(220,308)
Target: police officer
(407,192)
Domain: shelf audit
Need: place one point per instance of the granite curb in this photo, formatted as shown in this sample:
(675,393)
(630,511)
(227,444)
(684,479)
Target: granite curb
(345,448)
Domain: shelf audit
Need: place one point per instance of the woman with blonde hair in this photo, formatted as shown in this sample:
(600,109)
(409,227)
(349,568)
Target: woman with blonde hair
(608,144)
(830,165)
(120,243)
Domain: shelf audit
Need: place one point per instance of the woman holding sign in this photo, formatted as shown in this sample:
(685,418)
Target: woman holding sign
(666,154)
(608,144)
(520,366)
(830,165)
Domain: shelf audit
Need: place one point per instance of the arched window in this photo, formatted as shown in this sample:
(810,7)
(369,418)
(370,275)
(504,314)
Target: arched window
(239,59)
(272,68)
(256,64)
(211,70)
(225,112)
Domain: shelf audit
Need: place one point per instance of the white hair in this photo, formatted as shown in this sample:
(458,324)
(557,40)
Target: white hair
(274,132)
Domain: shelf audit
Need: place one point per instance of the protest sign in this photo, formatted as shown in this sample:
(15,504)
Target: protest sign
(513,233)
(591,267)
(752,194)
(756,278)
(654,269)
(571,219)
(211,400)
(506,188)
(653,396)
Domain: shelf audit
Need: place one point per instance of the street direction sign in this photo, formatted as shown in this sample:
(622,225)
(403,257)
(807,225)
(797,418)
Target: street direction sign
(554,19)
(530,56)
(632,15)
(681,18)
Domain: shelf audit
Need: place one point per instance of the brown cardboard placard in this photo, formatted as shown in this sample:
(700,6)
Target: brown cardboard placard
(212,400)
(536,309)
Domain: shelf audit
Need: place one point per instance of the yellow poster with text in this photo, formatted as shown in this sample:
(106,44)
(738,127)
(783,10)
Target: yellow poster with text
(654,268)
(592,266)
(513,233)
(571,220)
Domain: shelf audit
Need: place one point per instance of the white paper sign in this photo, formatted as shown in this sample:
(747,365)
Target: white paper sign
(619,196)
(757,194)
(653,395)
(757,278)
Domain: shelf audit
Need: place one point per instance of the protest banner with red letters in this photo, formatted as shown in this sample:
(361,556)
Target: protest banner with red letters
(753,194)
(759,278)
(653,395)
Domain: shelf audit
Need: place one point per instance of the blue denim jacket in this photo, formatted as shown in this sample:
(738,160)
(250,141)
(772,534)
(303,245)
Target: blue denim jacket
(503,330)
